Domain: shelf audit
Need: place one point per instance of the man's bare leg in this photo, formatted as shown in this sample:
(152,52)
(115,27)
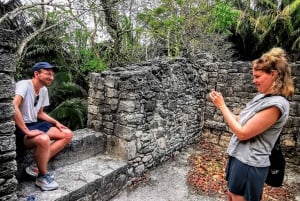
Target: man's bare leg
(44,150)
(60,138)
(41,146)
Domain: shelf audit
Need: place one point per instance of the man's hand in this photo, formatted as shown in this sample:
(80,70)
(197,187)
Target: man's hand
(60,126)
(33,133)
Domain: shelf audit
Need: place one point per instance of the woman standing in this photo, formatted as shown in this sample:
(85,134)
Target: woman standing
(258,126)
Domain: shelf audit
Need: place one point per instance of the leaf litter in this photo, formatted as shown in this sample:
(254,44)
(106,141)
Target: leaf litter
(207,176)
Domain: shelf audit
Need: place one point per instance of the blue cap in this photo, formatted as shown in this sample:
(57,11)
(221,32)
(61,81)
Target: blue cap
(43,65)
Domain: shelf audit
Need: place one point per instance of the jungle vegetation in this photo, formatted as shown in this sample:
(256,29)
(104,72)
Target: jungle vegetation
(83,36)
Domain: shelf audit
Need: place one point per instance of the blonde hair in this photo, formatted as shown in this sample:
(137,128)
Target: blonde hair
(275,59)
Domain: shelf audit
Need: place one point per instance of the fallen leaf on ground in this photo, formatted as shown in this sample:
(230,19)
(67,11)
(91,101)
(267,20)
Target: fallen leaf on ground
(207,176)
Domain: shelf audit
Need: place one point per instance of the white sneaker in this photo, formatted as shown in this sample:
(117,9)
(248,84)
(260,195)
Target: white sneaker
(46,183)
(33,171)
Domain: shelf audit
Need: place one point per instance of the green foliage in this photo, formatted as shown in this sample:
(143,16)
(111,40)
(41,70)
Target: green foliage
(124,47)
(84,59)
(224,17)
(90,62)
(72,113)
(68,101)
(69,84)
(179,28)
(63,87)
(46,46)
(166,25)
(267,25)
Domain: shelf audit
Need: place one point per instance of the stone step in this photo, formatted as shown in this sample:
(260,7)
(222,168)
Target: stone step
(85,143)
(96,178)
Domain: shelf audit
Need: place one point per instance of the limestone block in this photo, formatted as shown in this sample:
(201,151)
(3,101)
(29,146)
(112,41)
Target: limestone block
(162,143)
(7,157)
(131,118)
(108,124)
(7,86)
(96,96)
(93,109)
(7,127)
(8,169)
(124,132)
(131,149)
(111,93)
(9,187)
(121,148)
(110,82)
(7,61)
(7,143)
(127,105)
(6,111)
(140,169)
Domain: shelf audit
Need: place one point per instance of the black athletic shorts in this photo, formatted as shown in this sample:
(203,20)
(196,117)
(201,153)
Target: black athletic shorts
(40,125)
(245,180)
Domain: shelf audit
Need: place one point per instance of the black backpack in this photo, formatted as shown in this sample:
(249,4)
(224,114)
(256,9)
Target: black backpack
(276,170)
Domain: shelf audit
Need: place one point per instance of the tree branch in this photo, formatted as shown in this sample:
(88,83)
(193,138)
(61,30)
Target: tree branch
(34,34)
(19,9)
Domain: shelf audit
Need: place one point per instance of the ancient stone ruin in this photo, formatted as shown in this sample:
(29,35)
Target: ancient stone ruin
(138,117)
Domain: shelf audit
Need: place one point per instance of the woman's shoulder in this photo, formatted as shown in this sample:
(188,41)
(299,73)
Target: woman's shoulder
(271,98)
(256,98)
(278,101)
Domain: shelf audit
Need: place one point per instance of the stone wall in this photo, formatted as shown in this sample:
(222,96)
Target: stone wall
(147,111)
(150,110)
(8,167)
(234,80)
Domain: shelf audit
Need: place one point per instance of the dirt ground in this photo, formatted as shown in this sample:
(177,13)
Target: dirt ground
(208,166)
(171,181)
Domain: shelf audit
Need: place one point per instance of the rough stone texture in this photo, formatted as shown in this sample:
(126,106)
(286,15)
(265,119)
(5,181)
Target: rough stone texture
(8,181)
(148,111)
(85,143)
(152,109)
(97,178)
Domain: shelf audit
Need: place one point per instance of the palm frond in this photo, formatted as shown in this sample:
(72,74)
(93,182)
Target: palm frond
(296,43)
(72,113)
(291,8)
(69,89)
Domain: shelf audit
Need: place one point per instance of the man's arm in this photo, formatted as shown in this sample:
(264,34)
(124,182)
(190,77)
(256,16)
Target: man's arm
(44,116)
(18,118)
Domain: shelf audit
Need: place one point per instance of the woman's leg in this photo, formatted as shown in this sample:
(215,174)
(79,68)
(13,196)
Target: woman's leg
(234,197)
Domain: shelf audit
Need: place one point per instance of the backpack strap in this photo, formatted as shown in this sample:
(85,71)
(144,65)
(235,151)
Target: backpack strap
(277,143)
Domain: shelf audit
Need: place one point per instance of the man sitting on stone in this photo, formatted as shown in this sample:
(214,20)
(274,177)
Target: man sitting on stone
(35,128)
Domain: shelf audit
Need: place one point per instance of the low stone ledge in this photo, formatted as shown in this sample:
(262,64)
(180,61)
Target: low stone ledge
(96,178)
(85,143)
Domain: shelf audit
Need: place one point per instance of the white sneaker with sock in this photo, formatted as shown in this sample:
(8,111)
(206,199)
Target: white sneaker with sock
(46,182)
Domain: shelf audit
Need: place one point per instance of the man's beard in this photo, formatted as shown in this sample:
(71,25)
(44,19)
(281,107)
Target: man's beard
(46,83)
